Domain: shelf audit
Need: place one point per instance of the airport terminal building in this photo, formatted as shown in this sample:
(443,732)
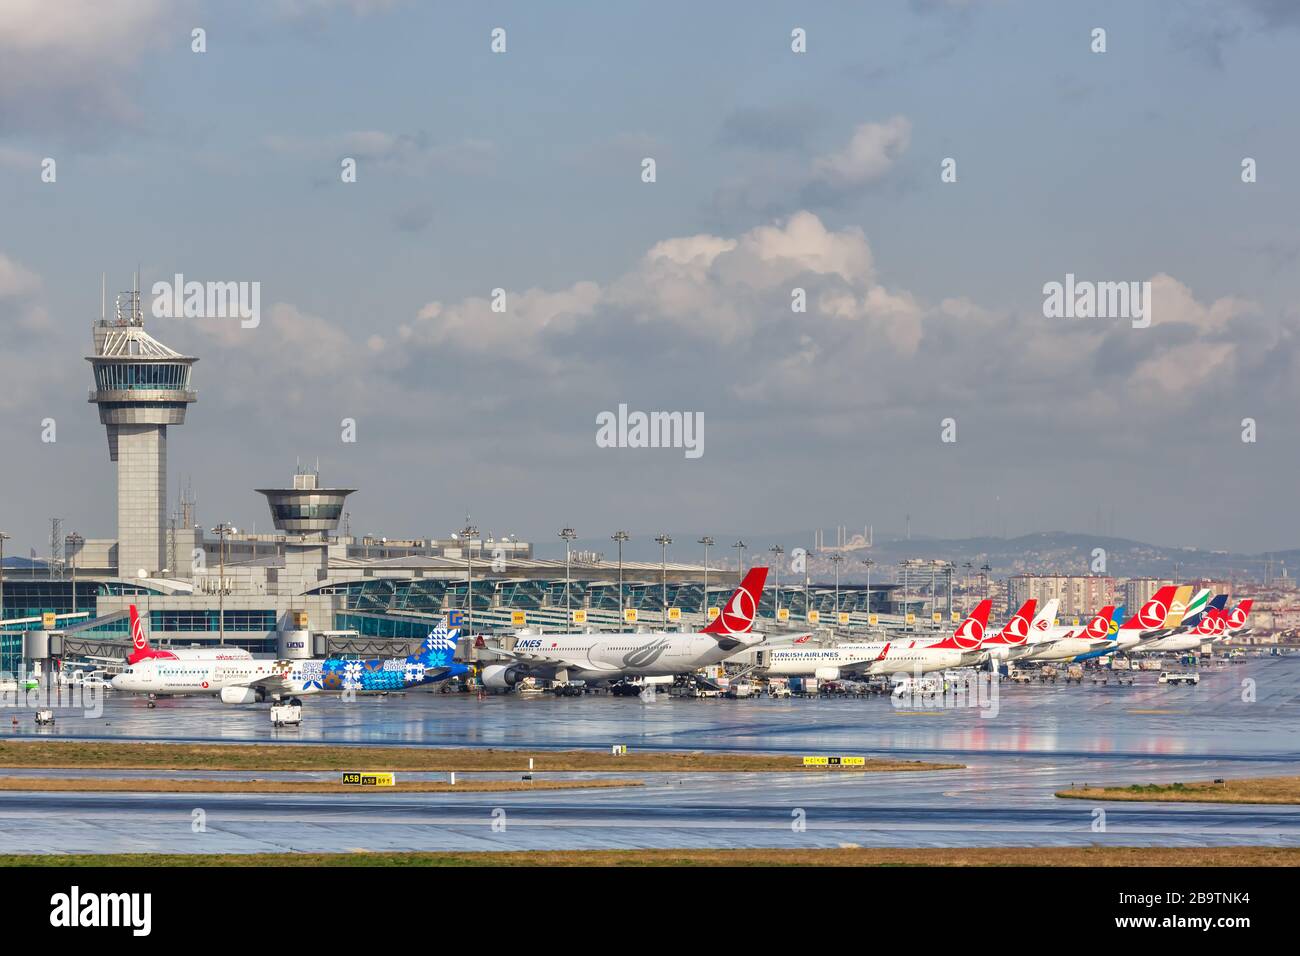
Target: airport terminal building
(306,589)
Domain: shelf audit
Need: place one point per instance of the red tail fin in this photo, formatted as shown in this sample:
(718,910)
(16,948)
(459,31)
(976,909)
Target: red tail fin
(1099,627)
(1016,630)
(1153,613)
(737,616)
(970,633)
(139,643)
(1237,619)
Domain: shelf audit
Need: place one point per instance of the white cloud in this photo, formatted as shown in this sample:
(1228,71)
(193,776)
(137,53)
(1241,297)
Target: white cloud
(871,153)
(69,63)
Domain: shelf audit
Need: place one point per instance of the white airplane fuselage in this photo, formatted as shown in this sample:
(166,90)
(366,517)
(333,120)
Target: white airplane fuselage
(194,677)
(922,660)
(807,662)
(617,656)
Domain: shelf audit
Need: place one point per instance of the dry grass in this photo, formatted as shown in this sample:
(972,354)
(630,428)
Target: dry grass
(94,785)
(1251,790)
(54,754)
(993,856)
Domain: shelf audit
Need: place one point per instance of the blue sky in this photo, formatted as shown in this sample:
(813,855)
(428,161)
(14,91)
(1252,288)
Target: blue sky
(522,171)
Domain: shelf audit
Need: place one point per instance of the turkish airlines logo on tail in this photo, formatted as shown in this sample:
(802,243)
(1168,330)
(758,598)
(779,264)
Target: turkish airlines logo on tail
(1099,626)
(1017,630)
(1238,616)
(738,615)
(1153,613)
(971,632)
(137,631)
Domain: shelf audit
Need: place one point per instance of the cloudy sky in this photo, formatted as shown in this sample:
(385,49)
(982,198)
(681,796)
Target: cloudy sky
(775,170)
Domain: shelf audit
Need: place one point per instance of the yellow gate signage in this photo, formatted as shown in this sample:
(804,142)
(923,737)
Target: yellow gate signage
(937,617)
(911,618)
(834,761)
(873,619)
(713,613)
(366,778)
(518,618)
(783,614)
(674,614)
(580,617)
(629,615)
(47,621)
(844,617)
(814,617)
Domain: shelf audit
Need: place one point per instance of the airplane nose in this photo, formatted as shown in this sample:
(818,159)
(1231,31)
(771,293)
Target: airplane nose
(117,682)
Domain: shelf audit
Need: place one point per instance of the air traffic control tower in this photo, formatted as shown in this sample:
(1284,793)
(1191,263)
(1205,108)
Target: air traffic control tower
(306,513)
(141,387)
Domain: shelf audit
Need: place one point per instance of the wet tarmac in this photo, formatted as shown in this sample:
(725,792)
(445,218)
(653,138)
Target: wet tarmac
(1240,721)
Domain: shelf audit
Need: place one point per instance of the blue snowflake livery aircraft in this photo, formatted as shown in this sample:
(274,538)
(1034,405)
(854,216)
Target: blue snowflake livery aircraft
(250,681)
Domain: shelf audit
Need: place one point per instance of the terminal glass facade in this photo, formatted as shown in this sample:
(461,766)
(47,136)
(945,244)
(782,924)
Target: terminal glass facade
(206,619)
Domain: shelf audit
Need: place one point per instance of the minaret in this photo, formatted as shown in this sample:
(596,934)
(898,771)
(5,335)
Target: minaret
(141,387)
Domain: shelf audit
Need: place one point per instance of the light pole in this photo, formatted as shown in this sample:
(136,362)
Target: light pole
(985,568)
(664,541)
(620,537)
(868,562)
(3,538)
(807,579)
(221,531)
(706,541)
(469,533)
(74,542)
(740,547)
(837,559)
(568,534)
(777,551)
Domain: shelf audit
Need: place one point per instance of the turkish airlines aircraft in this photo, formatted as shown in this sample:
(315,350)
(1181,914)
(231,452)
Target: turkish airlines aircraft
(1075,640)
(832,663)
(600,658)
(1235,623)
(1149,619)
(142,651)
(962,649)
(1212,625)
(250,681)
(1012,639)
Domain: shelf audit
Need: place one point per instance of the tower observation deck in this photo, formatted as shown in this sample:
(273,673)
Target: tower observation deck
(141,387)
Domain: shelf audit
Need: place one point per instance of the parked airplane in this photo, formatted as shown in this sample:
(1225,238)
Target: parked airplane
(1236,620)
(832,663)
(1110,644)
(603,658)
(1075,640)
(140,649)
(1150,617)
(962,649)
(1015,633)
(250,681)
(1210,626)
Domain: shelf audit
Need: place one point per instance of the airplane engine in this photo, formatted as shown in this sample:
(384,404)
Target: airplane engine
(502,676)
(238,695)
(827,673)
